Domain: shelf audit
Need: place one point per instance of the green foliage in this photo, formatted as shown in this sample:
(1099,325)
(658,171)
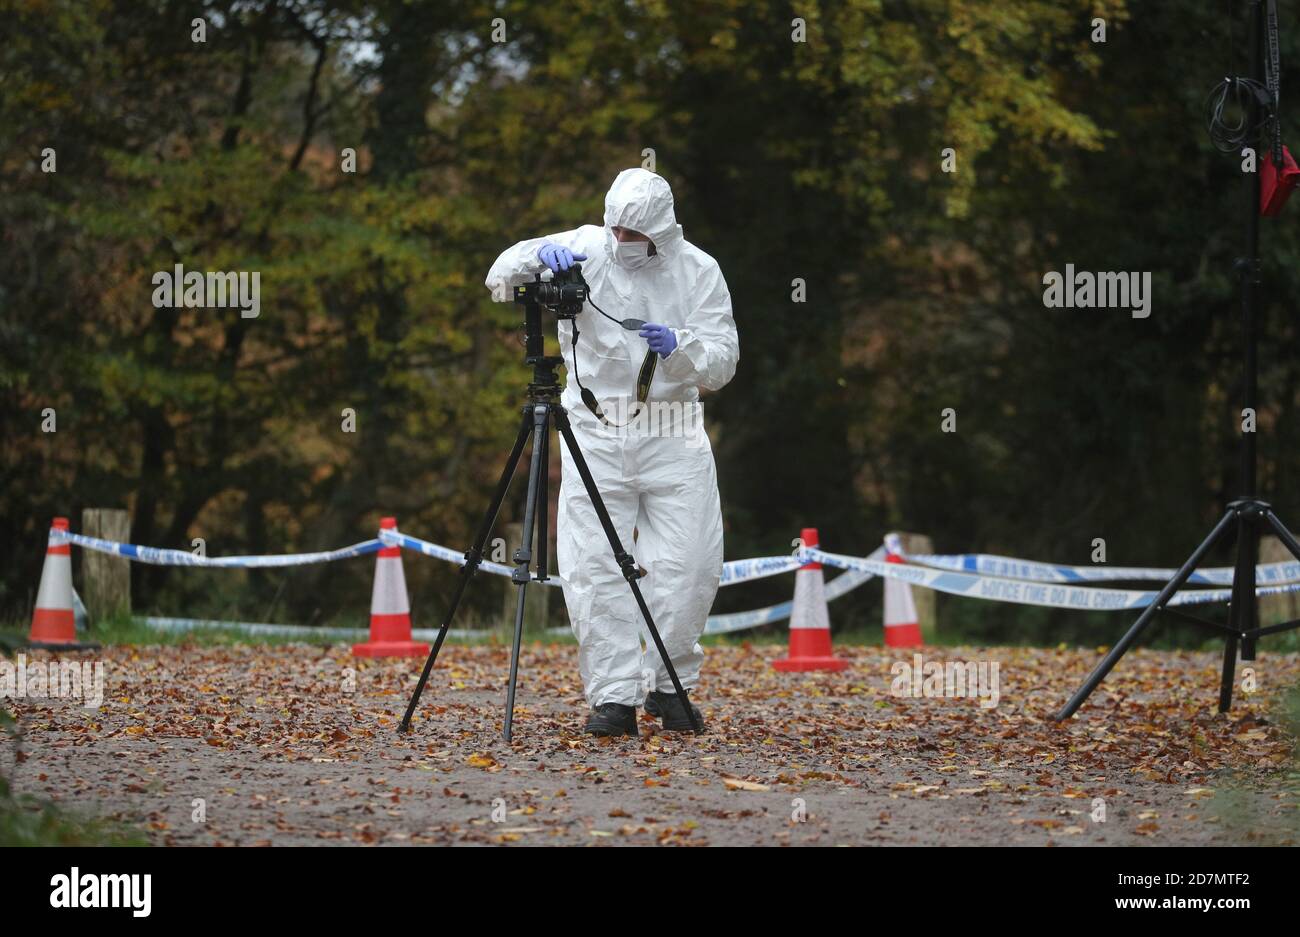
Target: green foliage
(27,821)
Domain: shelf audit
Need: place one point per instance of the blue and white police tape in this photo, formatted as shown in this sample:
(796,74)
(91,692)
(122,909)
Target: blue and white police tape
(1008,567)
(740,621)
(395,538)
(160,557)
(1020,592)
(1023,581)
(732,572)
(735,571)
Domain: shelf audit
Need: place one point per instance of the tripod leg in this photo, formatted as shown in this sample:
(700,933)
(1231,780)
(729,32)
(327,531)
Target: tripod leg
(472,560)
(544,508)
(1118,651)
(524,555)
(623,558)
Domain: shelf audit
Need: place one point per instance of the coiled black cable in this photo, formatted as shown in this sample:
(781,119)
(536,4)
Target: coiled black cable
(1228,108)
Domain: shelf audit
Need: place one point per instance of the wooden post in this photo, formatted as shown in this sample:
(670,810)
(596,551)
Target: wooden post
(924,598)
(1275,609)
(106,578)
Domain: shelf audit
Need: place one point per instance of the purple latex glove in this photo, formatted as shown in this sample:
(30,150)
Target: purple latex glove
(558,257)
(660,338)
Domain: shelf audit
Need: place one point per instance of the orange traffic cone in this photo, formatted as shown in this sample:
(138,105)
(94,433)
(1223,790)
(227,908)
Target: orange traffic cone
(390,610)
(54,623)
(901,626)
(810,625)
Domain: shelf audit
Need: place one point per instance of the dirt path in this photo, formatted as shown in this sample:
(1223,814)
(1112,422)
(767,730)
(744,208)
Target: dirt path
(298,745)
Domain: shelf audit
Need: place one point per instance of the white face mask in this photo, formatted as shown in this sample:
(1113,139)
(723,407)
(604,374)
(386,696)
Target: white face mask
(631,254)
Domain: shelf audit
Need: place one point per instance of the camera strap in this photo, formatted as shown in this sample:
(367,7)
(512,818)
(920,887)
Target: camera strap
(643,380)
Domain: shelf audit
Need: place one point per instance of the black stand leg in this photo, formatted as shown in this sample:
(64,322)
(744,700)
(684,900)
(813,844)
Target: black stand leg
(1229,673)
(624,559)
(1287,538)
(1144,619)
(1244,612)
(472,560)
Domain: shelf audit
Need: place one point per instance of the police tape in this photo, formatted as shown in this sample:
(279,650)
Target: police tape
(1023,582)
(1021,592)
(395,538)
(741,621)
(159,557)
(733,572)
(1012,568)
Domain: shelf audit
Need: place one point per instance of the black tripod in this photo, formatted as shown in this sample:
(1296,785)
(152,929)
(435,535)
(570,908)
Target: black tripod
(1247,517)
(543,407)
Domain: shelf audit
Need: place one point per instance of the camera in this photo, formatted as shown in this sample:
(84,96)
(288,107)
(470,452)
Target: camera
(564,295)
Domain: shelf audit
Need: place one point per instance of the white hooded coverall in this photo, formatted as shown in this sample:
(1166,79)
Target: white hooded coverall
(657,475)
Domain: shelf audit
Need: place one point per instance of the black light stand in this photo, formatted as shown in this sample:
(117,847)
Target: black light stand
(1247,517)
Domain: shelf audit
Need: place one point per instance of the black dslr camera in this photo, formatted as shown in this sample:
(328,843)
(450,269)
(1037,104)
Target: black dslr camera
(564,295)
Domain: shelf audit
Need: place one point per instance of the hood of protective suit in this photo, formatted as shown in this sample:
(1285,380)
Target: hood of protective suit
(643,201)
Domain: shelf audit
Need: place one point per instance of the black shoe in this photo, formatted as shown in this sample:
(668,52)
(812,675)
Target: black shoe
(668,707)
(612,719)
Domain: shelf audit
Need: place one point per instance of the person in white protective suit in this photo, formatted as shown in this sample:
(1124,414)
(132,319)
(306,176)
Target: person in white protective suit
(655,471)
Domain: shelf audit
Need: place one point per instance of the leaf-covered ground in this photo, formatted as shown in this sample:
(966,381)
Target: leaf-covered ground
(295,744)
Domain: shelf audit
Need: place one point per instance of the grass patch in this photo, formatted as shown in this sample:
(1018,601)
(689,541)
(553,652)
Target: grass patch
(27,821)
(30,821)
(1236,807)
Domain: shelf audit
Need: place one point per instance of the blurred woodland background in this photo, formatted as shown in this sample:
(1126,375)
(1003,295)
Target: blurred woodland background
(818,160)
